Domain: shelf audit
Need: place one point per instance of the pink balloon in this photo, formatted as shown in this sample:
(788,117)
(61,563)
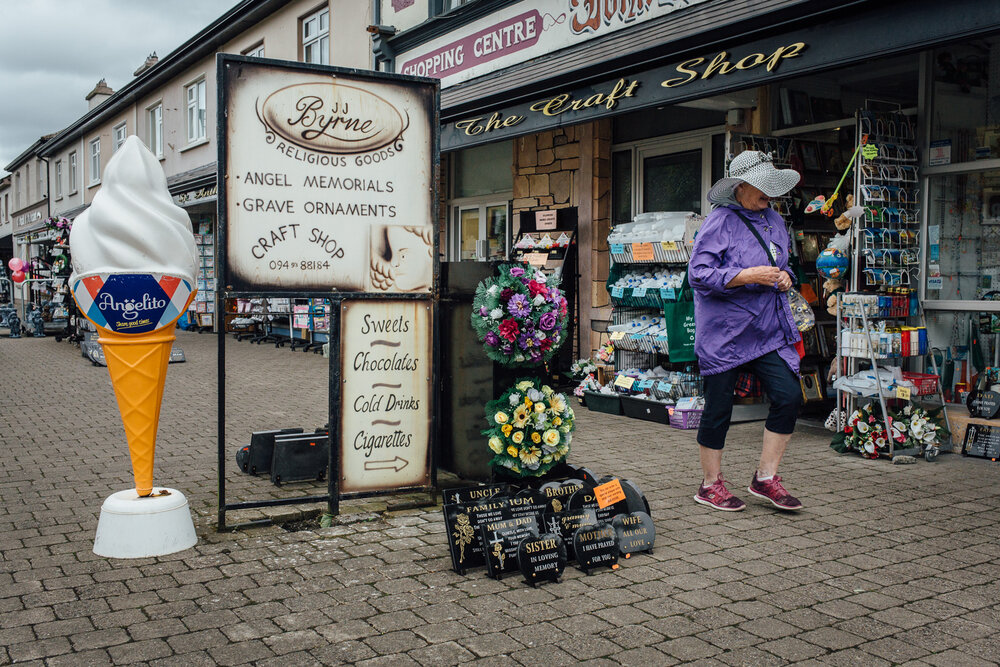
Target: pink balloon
(15,264)
(17,276)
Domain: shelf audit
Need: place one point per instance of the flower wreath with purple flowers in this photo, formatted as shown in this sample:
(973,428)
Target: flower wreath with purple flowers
(520,316)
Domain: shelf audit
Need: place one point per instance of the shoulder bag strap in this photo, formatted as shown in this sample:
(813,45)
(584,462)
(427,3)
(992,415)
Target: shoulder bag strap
(753,230)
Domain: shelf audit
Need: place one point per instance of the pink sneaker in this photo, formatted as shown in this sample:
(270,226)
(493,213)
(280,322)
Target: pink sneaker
(717,496)
(773,490)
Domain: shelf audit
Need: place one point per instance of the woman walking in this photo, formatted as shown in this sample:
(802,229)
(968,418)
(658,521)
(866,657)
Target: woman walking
(739,273)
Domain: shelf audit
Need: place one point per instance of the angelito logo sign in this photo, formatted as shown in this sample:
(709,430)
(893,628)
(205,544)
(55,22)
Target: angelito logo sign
(130,309)
(332,117)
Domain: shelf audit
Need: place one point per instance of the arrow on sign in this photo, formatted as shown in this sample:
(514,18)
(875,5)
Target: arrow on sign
(385,465)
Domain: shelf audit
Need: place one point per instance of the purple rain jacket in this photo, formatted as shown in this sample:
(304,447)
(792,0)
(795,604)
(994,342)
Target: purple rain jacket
(734,326)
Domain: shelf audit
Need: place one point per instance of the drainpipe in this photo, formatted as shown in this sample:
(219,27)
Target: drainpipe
(376,20)
(48,188)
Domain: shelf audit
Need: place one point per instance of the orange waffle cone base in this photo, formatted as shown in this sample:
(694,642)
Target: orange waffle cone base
(138,368)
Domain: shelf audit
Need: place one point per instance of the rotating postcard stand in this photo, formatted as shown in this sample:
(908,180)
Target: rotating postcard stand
(328,190)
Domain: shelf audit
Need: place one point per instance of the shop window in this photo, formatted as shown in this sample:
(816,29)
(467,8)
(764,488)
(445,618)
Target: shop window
(154,129)
(58,170)
(196,111)
(481,231)
(621,186)
(965,118)
(483,170)
(316,38)
(95,161)
(71,160)
(672,182)
(118,136)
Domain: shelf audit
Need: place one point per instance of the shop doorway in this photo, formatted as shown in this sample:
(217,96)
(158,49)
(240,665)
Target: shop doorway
(481,230)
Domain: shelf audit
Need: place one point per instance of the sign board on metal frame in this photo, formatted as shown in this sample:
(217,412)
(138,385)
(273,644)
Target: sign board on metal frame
(328,189)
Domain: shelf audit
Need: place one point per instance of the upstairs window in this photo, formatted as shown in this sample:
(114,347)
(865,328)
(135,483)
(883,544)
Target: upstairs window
(154,120)
(316,38)
(58,178)
(72,172)
(95,161)
(118,135)
(196,111)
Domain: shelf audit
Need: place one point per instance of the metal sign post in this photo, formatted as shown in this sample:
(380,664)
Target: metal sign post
(328,182)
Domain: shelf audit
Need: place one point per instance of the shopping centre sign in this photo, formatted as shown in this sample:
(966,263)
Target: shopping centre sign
(525,30)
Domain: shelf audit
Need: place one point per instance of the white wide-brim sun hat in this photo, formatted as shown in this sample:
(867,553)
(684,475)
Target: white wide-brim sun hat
(757,169)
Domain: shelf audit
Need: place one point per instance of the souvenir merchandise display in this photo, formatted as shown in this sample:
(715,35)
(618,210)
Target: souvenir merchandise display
(538,529)
(201,312)
(520,316)
(648,289)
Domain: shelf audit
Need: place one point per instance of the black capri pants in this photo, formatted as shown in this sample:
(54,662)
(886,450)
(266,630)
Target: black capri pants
(780,383)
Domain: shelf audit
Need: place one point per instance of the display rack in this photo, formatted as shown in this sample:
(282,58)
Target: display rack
(863,339)
(202,309)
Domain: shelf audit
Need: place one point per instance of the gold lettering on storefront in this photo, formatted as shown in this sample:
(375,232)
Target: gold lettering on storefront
(565,102)
(721,64)
(474,126)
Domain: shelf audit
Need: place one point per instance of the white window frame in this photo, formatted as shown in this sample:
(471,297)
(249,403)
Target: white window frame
(196,116)
(58,175)
(255,51)
(71,171)
(478,203)
(40,180)
(94,160)
(154,129)
(17,191)
(320,38)
(118,136)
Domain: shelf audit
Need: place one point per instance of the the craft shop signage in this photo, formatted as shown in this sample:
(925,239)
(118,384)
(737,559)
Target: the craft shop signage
(525,30)
(385,405)
(329,179)
(828,44)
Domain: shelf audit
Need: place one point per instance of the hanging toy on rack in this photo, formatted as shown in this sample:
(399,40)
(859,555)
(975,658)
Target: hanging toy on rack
(850,214)
(827,207)
(834,260)
(816,204)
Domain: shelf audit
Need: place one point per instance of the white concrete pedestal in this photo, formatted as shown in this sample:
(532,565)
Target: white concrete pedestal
(138,527)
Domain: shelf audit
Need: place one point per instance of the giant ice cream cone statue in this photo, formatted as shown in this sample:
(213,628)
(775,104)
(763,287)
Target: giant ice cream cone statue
(133,269)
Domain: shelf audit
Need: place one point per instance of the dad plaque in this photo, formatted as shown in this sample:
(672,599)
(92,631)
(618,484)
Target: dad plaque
(984,404)
(542,558)
(636,533)
(558,493)
(596,546)
(473,494)
(501,540)
(464,539)
(585,498)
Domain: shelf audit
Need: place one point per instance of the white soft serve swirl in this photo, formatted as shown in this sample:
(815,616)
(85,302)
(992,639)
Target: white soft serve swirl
(133,225)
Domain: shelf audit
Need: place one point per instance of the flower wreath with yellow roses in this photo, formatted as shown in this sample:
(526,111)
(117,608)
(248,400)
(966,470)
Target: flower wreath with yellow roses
(530,429)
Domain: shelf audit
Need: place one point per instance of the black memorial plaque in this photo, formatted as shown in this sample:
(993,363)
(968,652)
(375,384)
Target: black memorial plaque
(528,502)
(635,531)
(635,498)
(583,473)
(565,524)
(542,558)
(596,546)
(557,493)
(983,404)
(501,540)
(473,494)
(982,441)
(586,499)
(462,522)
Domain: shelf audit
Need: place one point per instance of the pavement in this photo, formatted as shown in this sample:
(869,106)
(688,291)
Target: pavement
(885,564)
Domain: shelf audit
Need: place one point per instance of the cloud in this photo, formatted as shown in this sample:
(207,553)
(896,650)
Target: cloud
(53,52)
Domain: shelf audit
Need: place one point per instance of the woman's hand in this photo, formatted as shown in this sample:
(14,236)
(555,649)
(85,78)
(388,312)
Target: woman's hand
(784,282)
(768,276)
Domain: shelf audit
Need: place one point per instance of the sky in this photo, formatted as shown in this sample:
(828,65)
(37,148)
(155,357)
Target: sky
(53,52)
